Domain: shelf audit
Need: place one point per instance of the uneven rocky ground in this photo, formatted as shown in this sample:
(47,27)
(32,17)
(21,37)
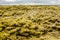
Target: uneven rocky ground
(29,22)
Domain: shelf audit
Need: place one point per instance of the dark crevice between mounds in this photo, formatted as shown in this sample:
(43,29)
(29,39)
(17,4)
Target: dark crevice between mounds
(37,21)
(13,14)
(5,25)
(52,21)
(2,23)
(0,15)
(3,28)
(14,32)
(55,28)
(23,34)
(50,30)
(58,21)
(18,25)
(58,29)
(28,34)
(46,23)
(33,20)
(36,28)
(44,32)
(15,25)
(9,29)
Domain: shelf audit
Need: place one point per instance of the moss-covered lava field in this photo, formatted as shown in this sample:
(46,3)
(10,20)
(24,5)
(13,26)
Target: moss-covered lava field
(26,22)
